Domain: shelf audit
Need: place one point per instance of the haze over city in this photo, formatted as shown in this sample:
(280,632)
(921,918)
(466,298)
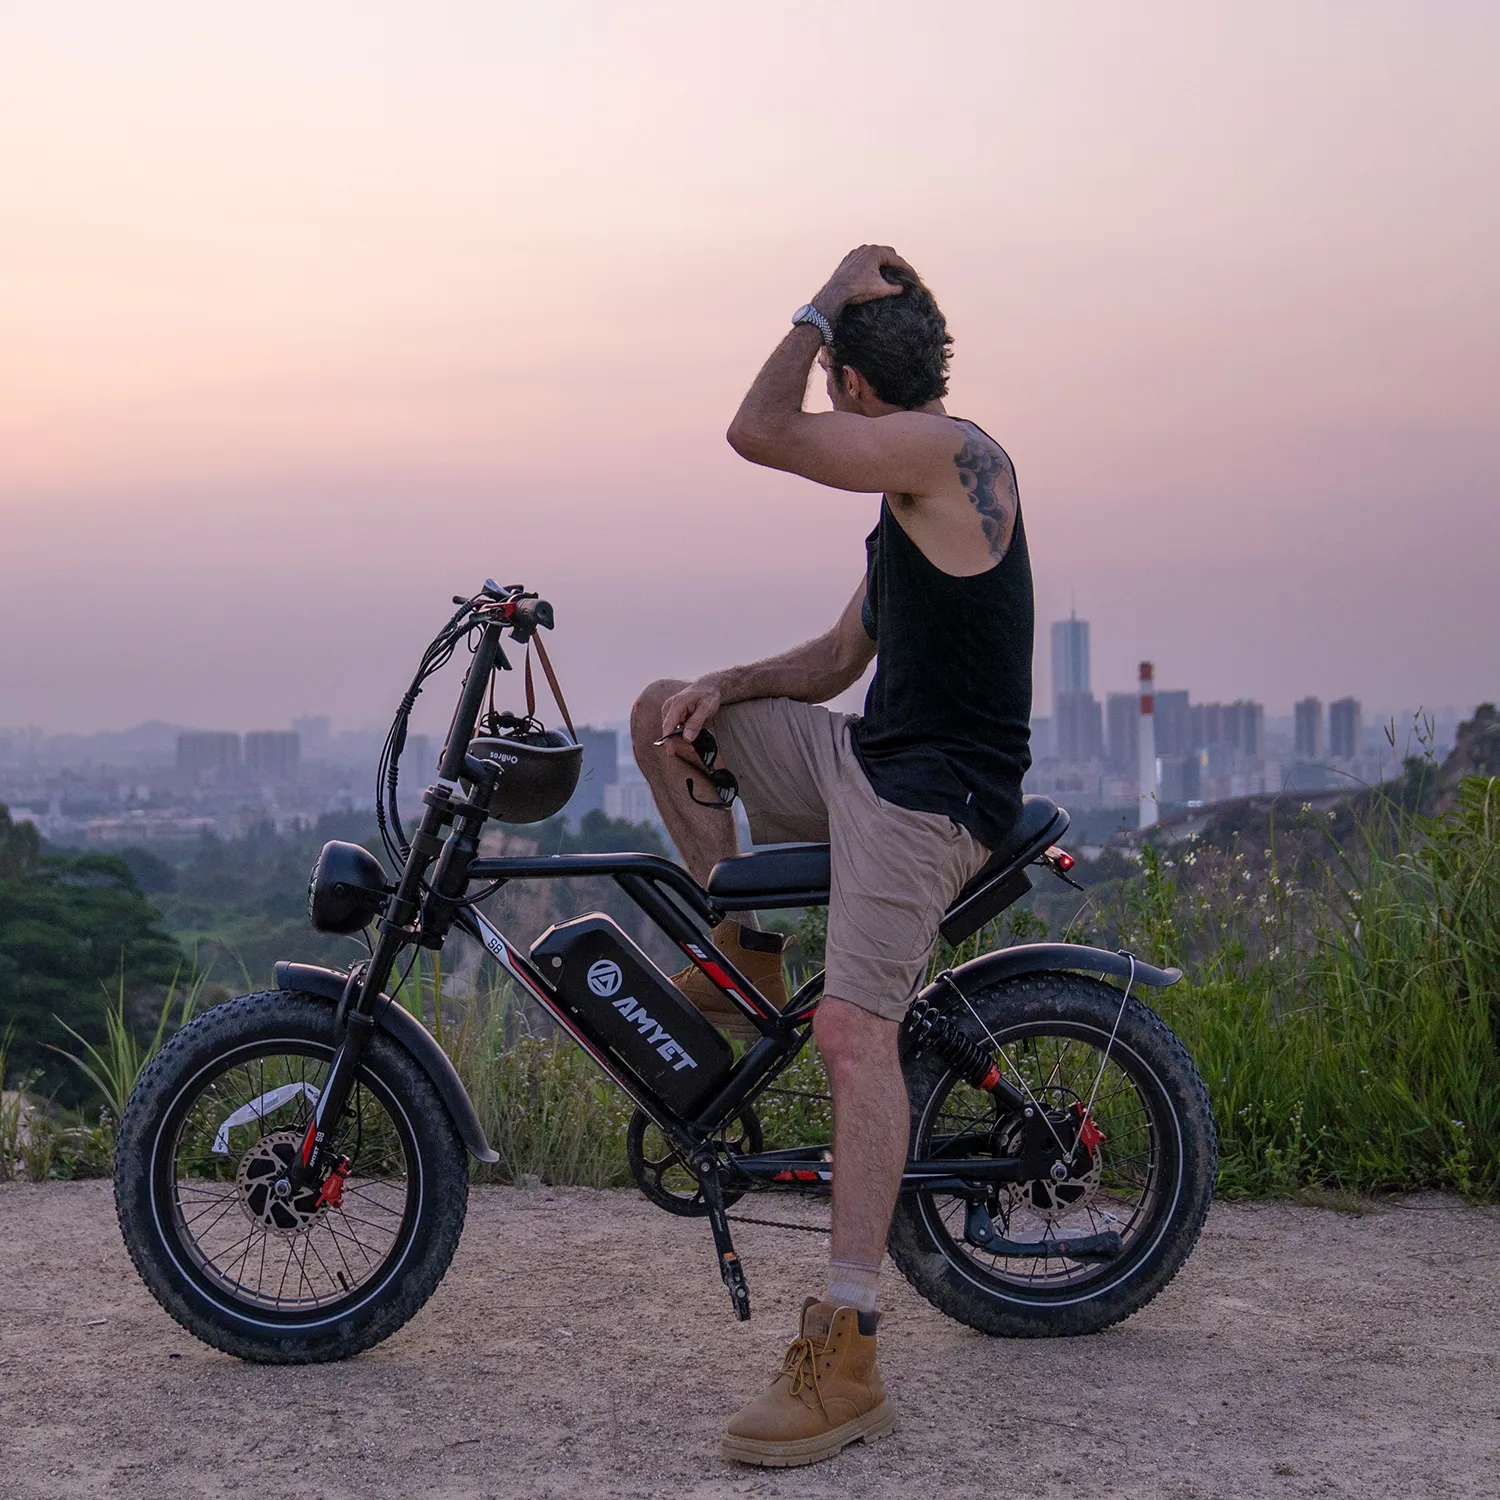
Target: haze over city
(311,319)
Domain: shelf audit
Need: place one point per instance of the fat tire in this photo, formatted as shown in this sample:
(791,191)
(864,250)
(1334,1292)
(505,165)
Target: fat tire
(399,1292)
(1012,1313)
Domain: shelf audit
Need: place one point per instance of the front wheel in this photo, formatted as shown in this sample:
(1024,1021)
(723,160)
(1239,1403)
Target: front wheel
(1146,1183)
(237,1254)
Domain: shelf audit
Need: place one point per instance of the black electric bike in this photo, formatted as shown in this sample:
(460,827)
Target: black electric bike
(291,1173)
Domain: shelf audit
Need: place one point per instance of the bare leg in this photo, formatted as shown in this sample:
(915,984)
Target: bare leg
(703,835)
(871,1121)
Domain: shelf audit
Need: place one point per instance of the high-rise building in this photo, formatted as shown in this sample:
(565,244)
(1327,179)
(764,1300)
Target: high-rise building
(314,731)
(1344,728)
(1173,725)
(207,752)
(1307,716)
(601,768)
(273,754)
(1122,731)
(1043,744)
(1070,660)
(1245,728)
(419,759)
(1078,727)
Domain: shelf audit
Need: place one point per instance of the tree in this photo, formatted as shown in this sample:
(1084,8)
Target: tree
(69,924)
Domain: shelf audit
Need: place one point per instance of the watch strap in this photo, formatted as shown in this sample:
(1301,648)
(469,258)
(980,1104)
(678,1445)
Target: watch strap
(807,313)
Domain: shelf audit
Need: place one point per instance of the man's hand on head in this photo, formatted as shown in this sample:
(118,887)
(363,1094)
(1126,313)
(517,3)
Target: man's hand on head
(686,713)
(859,279)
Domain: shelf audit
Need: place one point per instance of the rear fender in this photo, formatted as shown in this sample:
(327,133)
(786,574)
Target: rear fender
(407,1031)
(1042,958)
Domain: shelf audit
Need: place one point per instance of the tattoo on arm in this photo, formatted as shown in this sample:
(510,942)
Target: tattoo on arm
(981,467)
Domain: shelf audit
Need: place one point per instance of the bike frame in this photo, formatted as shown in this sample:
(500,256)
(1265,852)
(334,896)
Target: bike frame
(445,845)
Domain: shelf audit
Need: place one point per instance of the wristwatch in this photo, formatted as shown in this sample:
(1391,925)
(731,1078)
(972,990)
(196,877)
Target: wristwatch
(807,313)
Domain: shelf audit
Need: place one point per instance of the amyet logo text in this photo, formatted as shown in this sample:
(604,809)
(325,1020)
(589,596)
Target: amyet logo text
(656,1036)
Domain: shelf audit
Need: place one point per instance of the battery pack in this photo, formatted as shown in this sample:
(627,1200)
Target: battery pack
(635,1008)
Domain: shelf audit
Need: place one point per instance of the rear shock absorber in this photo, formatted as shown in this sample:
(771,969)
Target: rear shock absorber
(927,1026)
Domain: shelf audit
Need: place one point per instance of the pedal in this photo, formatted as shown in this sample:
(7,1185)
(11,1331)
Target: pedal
(730,1269)
(734,1278)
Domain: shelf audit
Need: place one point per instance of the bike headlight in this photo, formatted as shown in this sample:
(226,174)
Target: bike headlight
(347,889)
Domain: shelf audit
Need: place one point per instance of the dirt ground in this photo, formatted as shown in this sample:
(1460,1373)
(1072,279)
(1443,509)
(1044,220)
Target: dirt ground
(582,1345)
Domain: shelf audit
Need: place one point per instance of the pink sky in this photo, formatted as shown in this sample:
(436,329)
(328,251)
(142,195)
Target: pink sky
(310,317)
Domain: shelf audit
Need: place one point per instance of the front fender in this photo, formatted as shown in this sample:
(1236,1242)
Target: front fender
(405,1029)
(1039,958)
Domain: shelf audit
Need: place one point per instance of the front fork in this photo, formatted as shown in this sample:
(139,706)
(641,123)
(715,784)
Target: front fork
(316,1158)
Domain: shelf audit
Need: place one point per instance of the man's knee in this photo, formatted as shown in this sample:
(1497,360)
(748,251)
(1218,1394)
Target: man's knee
(645,717)
(851,1037)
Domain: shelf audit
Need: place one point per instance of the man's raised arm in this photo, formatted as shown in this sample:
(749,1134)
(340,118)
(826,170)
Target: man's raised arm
(894,451)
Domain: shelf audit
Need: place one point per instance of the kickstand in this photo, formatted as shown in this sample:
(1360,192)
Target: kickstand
(729,1263)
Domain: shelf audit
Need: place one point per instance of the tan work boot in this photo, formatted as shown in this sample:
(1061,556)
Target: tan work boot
(827,1395)
(757,955)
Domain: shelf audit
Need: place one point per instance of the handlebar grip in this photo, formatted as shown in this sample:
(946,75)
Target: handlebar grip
(531,614)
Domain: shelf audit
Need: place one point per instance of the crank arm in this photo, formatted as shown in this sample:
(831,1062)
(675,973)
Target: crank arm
(730,1269)
(979,1229)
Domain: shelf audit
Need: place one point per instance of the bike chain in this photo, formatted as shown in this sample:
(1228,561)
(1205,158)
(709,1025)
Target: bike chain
(777,1224)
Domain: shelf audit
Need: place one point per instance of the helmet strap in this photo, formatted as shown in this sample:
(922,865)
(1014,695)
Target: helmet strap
(552,683)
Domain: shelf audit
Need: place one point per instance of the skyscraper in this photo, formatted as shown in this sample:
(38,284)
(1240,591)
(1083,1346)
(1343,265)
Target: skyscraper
(1078,728)
(273,754)
(600,769)
(1308,725)
(1077,724)
(1123,732)
(1173,729)
(206,752)
(1344,728)
(1070,659)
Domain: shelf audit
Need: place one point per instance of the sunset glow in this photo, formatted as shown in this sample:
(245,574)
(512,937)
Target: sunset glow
(310,317)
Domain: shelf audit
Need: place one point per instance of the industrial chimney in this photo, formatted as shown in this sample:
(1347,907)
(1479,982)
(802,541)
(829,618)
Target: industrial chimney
(1147,746)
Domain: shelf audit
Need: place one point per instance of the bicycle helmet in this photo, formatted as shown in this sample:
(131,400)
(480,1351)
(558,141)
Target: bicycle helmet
(538,771)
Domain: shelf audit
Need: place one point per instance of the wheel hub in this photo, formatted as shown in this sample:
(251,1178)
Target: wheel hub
(265,1184)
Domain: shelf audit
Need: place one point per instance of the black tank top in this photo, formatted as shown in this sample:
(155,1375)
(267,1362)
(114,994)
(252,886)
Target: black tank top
(947,721)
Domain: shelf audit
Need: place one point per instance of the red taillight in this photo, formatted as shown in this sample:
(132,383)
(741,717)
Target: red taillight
(1061,858)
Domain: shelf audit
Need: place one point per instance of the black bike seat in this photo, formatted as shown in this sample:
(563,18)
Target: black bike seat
(799,874)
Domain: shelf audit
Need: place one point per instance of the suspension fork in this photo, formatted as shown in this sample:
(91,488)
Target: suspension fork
(399,924)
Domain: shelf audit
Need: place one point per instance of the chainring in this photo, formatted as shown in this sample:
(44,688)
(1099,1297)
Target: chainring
(667,1180)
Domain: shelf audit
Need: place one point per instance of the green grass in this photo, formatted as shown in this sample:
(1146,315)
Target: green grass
(1343,1005)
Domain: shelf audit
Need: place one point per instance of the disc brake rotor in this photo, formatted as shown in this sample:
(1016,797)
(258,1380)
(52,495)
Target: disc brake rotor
(1054,1199)
(265,1183)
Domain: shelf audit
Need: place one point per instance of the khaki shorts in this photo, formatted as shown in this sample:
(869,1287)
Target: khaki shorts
(895,872)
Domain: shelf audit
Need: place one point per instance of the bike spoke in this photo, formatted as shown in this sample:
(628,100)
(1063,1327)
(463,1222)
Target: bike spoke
(267,1244)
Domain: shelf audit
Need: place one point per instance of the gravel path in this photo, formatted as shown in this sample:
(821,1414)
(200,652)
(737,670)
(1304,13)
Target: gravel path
(582,1346)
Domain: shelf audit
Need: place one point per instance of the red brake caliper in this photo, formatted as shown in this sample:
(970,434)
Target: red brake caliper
(331,1194)
(1089,1134)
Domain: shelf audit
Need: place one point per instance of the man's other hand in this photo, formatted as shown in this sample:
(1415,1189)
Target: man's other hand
(689,711)
(858,279)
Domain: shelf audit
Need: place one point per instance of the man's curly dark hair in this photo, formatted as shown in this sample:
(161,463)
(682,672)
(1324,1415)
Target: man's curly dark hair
(899,344)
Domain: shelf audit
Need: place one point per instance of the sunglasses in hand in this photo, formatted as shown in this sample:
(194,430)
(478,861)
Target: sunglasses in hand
(706,747)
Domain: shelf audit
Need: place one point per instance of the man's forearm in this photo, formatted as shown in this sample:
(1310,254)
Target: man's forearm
(776,396)
(811,673)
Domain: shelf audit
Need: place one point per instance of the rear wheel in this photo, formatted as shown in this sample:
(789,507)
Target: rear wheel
(230,1246)
(1149,1180)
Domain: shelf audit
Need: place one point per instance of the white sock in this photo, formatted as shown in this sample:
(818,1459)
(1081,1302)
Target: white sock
(851,1284)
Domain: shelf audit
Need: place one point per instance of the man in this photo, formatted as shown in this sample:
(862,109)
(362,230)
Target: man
(912,796)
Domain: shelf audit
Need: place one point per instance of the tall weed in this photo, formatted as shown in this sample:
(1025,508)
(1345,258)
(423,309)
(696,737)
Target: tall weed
(115,1068)
(1344,1010)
